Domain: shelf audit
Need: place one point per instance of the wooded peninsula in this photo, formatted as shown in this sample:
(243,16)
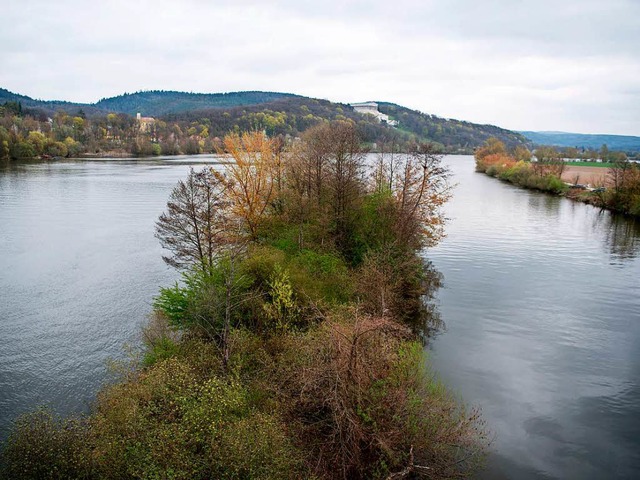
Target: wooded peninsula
(293,346)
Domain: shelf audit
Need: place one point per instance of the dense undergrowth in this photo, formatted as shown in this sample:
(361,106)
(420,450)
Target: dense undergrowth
(293,346)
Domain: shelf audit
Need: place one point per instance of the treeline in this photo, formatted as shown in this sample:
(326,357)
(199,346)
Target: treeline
(603,154)
(620,192)
(160,102)
(293,347)
(184,125)
(515,166)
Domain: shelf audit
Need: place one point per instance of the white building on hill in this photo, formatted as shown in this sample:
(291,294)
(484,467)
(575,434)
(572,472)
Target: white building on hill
(371,108)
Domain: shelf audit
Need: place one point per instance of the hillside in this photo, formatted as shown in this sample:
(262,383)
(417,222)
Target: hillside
(157,103)
(292,115)
(275,113)
(49,107)
(452,133)
(625,143)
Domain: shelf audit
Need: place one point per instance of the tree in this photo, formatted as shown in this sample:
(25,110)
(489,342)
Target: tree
(421,189)
(197,224)
(249,179)
(550,162)
(200,229)
(492,146)
(522,154)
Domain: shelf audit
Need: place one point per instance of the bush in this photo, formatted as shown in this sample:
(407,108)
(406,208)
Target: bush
(359,397)
(44,446)
(173,423)
(195,304)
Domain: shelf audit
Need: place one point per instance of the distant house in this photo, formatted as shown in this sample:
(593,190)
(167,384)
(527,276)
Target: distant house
(145,123)
(371,108)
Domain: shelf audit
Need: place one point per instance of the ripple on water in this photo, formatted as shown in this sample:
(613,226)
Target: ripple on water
(542,307)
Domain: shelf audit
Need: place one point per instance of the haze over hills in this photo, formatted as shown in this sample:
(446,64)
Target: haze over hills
(625,143)
(286,113)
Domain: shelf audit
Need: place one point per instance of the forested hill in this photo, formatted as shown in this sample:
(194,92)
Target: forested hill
(450,132)
(294,114)
(49,107)
(275,113)
(152,103)
(624,143)
(157,103)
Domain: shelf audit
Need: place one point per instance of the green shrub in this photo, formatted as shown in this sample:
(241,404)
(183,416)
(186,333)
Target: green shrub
(162,349)
(492,170)
(173,423)
(555,184)
(44,446)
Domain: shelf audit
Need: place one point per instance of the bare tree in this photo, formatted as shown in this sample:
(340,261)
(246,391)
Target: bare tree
(422,187)
(196,223)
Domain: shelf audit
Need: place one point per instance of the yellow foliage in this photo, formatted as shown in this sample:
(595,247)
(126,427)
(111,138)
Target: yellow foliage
(249,179)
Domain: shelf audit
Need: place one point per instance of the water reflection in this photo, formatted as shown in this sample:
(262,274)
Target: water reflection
(621,235)
(543,203)
(430,313)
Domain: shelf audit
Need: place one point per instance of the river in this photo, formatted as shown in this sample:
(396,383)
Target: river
(542,310)
(79,267)
(541,304)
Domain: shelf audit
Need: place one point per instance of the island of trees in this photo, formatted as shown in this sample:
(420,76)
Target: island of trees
(293,347)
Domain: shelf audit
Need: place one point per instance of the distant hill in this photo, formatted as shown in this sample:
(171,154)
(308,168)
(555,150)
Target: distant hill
(625,143)
(157,103)
(49,107)
(277,113)
(153,103)
(454,133)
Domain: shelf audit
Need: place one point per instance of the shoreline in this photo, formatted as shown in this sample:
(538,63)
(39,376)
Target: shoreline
(581,195)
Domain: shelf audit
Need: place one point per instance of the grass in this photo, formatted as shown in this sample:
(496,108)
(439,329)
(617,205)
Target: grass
(590,164)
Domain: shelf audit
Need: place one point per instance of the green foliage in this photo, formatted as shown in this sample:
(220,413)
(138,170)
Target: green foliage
(195,303)
(281,308)
(172,422)
(22,150)
(162,349)
(44,446)
(174,302)
(320,277)
(592,164)
(375,224)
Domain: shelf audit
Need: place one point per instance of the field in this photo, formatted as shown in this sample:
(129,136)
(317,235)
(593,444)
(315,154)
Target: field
(594,176)
(591,164)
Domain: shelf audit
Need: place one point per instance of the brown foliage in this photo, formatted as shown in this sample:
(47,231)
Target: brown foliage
(251,179)
(421,188)
(492,146)
(359,401)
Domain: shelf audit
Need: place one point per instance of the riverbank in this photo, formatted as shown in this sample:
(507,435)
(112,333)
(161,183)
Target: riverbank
(616,189)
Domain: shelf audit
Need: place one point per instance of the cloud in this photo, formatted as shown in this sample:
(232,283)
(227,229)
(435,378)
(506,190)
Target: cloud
(543,65)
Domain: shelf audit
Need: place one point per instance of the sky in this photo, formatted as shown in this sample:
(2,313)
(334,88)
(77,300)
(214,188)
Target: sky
(561,65)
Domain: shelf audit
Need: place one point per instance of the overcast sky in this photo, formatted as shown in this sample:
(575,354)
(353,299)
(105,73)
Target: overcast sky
(569,65)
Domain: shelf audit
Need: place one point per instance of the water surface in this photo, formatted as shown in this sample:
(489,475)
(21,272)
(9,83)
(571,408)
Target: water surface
(541,303)
(79,266)
(542,307)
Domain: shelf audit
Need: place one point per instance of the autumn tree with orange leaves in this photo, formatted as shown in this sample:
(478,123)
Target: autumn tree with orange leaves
(251,178)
